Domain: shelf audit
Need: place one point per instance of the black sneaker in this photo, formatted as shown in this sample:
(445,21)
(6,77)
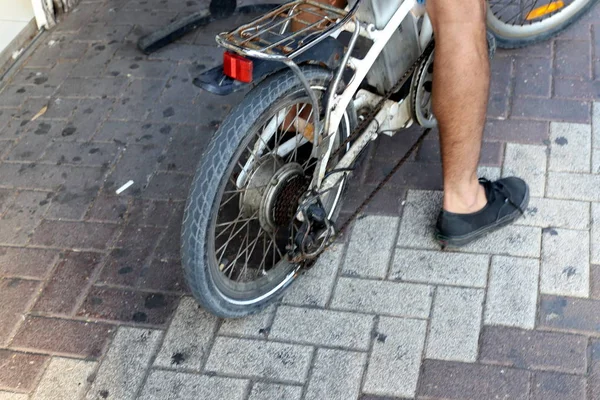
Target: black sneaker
(507,200)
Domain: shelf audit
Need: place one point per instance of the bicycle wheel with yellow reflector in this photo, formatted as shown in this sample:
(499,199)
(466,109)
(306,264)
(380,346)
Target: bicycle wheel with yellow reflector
(518,23)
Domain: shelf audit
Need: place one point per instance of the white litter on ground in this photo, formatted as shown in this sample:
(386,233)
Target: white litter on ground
(124,187)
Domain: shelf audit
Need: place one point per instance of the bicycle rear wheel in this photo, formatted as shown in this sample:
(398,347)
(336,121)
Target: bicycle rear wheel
(518,23)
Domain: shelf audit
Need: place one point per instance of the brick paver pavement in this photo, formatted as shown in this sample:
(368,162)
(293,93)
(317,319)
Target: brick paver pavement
(93,302)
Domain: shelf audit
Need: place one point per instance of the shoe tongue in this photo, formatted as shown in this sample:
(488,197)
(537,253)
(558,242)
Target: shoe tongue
(490,194)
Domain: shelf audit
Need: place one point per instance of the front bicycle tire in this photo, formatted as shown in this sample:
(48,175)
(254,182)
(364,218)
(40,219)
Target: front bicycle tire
(517,24)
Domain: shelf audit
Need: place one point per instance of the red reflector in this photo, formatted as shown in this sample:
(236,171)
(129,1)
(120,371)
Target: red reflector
(237,67)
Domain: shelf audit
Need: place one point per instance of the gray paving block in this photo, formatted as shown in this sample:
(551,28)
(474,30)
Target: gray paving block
(556,213)
(595,161)
(322,327)
(383,297)
(418,219)
(172,385)
(314,287)
(455,324)
(565,263)
(527,162)
(12,396)
(595,234)
(518,241)
(512,292)
(491,173)
(260,359)
(187,338)
(596,125)
(64,379)
(370,247)
(122,370)
(570,147)
(268,391)
(252,326)
(336,375)
(443,268)
(564,185)
(396,357)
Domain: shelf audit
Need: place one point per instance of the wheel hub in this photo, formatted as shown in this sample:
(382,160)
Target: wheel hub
(274,190)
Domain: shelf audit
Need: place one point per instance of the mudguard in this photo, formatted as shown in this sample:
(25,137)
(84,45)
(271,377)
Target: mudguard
(328,52)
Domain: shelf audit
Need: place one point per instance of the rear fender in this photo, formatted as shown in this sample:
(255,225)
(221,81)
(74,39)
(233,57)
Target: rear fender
(328,52)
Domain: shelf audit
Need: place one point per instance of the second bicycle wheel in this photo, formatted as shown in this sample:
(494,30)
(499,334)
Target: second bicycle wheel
(518,23)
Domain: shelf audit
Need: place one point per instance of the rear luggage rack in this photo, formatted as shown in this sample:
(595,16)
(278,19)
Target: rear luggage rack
(271,36)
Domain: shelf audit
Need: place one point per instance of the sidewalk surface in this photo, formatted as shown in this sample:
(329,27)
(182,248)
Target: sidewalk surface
(92,299)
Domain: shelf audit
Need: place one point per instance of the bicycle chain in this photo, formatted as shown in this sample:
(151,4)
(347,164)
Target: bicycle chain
(371,116)
(359,130)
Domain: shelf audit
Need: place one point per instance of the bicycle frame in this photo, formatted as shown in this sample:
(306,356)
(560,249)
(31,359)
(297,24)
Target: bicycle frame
(393,116)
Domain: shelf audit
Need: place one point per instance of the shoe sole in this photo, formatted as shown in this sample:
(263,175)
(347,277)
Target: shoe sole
(461,241)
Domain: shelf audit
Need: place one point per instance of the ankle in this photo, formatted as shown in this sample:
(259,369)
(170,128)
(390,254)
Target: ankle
(464,199)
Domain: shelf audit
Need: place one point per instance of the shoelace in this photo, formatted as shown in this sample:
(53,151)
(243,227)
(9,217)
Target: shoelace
(503,190)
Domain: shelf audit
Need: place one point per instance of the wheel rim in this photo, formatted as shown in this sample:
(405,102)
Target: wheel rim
(508,18)
(249,249)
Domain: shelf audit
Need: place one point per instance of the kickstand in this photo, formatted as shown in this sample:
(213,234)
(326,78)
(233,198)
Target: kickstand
(219,9)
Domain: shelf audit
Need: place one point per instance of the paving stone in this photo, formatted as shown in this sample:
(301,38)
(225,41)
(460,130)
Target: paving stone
(94,61)
(15,297)
(257,325)
(595,234)
(336,375)
(455,324)
(31,176)
(551,213)
(442,268)
(558,386)
(259,359)
(570,148)
(130,259)
(534,350)
(74,197)
(266,391)
(383,298)
(108,208)
(498,106)
(512,292)
(188,338)
(26,262)
(562,185)
(89,116)
(28,148)
(22,217)
(314,287)
(127,305)
(418,219)
(490,173)
(396,357)
(163,276)
(491,152)
(68,281)
(65,379)
(596,125)
(551,109)
(370,247)
(137,163)
(576,88)
(80,235)
(82,339)
(89,154)
(20,370)
(138,99)
(595,281)
(183,153)
(169,186)
(454,381)
(517,241)
(123,369)
(150,212)
(12,396)
(139,69)
(594,381)
(168,385)
(92,87)
(412,175)
(570,314)
(565,263)
(533,76)
(322,327)
(529,163)
(565,50)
